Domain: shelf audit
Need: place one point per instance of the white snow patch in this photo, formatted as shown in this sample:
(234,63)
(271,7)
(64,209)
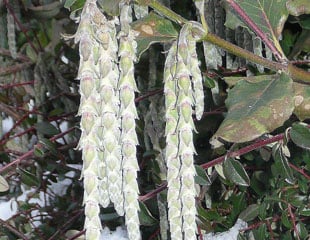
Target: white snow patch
(231,234)
(119,234)
(7,124)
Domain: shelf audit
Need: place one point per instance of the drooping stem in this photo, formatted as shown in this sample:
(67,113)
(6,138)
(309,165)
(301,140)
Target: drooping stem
(240,52)
(297,74)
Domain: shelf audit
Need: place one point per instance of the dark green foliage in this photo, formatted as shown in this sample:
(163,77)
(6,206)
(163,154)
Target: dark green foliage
(264,181)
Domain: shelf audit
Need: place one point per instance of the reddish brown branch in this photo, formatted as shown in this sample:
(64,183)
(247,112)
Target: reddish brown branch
(6,86)
(149,94)
(301,171)
(13,229)
(30,152)
(15,68)
(292,216)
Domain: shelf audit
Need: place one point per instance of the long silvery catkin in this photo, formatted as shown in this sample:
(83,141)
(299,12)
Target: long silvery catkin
(195,72)
(111,167)
(182,78)
(172,159)
(90,119)
(128,114)
(185,129)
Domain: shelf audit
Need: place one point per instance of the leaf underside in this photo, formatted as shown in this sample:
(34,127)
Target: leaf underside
(269,16)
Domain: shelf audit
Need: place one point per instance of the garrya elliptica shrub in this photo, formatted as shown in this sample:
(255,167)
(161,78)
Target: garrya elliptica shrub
(108,113)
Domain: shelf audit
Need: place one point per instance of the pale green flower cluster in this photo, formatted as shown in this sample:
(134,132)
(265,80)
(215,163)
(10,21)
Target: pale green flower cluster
(183,90)
(11,34)
(128,114)
(108,114)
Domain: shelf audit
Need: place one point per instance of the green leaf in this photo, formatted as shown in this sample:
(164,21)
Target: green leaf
(209,82)
(28,178)
(298,7)
(234,171)
(305,212)
(31,53)
(302,230)
(56,112)
(302,101)
(300,135)
(261,232)
(50,146)
(110,7)
(69,3)
(267,17)
(109,216)
(145,216)
(302,43)
(38,151)
(46,11)
(256,108)
(201,178)
(285,221)
(4,185)
(250,213)
(152,29)
(46,128)
(281,162)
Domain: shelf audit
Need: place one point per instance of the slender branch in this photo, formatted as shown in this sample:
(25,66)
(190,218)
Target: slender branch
(30,152)
(240,52)
(292,215)
(301,171)
(297,74)
(66,225)
(13,229)
(153,193)
(149,94)
(14,68)
(6,86)
(20,56)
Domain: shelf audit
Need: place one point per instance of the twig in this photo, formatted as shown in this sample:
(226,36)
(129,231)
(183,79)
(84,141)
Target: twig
(301,171)
(19,56)
(16,85)
(30,152)
(13,69)
(158,91)
(66,225)
(13,229)
(290,212)
(219,160)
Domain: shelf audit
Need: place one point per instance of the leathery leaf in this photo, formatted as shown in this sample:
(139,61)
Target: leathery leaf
(152,29)
(256,108)
(235,172)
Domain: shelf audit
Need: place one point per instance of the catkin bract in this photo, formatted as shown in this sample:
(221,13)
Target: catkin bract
(108,114)
(183,90)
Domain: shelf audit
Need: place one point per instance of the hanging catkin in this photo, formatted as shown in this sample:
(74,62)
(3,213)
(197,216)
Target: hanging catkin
(90,118)
(128,114)
(183,91)
(172,159)
(11,34)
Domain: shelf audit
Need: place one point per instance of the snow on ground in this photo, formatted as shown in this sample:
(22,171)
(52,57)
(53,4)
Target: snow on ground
(7,124)
(231,234)
(119,234)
